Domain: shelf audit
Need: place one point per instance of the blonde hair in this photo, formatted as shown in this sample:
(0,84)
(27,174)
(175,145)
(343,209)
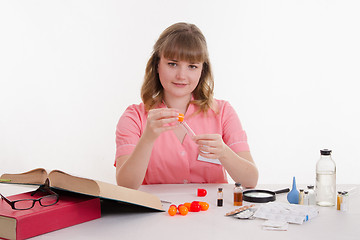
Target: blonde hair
(184,42)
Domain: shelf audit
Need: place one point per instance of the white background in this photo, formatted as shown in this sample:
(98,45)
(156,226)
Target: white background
(68,70)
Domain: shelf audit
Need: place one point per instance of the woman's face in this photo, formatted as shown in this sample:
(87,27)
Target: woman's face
(178,78)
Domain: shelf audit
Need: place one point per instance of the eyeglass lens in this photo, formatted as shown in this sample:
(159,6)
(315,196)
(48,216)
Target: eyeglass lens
(24,204)
(48,200)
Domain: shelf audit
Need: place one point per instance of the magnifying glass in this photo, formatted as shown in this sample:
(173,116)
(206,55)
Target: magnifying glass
(262,196)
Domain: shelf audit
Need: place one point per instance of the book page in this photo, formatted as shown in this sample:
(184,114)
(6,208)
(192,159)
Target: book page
(111,191)
(7,227)
(62,180)
(36,177)
(65,181)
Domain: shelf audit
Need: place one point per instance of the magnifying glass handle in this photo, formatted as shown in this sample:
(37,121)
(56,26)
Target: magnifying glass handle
(285,190)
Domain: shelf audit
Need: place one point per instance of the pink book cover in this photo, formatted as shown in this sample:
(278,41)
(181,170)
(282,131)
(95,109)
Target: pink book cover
(71,209)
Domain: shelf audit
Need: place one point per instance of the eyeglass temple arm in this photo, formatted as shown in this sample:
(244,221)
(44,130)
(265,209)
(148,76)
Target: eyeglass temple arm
(6,200)
(44,188)
(36,191)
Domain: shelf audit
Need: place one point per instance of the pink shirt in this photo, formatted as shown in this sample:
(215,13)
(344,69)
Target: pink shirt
(174,162)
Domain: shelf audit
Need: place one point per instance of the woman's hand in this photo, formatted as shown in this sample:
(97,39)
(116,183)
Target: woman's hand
(240,165)
(210,145)
(160,120)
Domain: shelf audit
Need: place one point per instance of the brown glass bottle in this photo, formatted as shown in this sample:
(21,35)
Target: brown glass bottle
(238,194)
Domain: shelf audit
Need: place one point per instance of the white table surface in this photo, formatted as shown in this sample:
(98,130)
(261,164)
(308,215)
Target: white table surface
(210,224)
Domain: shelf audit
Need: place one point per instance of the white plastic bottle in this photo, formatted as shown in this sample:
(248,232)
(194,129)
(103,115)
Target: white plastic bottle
(312,196)
(325,180)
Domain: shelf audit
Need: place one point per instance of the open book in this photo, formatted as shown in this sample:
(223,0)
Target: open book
(63,181)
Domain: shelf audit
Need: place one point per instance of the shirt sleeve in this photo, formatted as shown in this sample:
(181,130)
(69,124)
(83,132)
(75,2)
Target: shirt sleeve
(233,134)
(128,131)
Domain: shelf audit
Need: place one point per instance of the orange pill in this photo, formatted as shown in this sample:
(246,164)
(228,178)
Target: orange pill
(183,210)
(204,206)
(181,117)
(187,205)
(172,210)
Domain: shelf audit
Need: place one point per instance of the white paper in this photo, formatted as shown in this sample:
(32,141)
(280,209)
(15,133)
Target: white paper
(215,161)
(275,225)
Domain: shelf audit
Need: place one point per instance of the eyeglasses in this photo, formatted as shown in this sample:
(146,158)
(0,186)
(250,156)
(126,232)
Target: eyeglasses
(45,201)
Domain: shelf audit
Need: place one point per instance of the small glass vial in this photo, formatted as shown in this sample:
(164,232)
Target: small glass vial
(339,201)
(312,196)
(238,194)
(345,202)
(220,200)
(301,197)
(306,198)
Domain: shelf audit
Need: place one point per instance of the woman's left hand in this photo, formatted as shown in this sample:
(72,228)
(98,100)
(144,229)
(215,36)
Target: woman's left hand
(210,145)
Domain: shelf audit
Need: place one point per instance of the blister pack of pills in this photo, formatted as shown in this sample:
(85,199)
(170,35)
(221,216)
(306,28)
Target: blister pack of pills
(291,213)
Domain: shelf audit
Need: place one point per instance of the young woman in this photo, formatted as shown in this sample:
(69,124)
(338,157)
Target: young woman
(154,148)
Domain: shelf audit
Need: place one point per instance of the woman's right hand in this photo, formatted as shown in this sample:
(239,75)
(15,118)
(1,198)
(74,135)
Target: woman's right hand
(160,120)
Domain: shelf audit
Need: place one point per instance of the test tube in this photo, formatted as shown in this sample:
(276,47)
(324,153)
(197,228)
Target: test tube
(188,129)
(184,124)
